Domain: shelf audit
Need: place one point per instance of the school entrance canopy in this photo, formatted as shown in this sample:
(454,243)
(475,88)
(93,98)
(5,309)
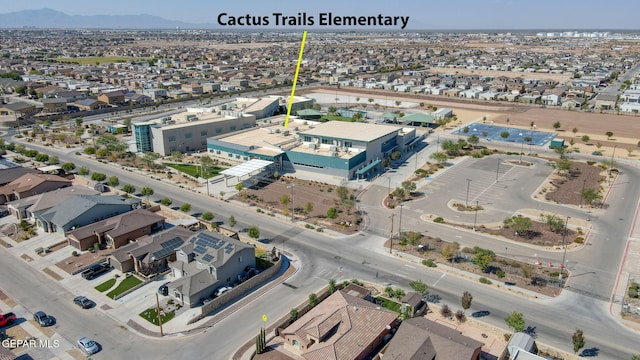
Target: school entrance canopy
(248,168)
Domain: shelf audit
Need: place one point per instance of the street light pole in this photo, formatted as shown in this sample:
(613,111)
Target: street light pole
(466,201)
(584,182)
(564,255)
(611,165)
(292,201)
(400,223)
(521,149)
(475,218)
(498,170)
(391,235)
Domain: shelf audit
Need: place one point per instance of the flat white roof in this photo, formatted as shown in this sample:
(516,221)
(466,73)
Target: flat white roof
(49,168)
(351,130)
(246,168)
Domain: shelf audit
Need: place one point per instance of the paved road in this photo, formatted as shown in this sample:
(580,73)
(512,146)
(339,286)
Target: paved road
(360,256)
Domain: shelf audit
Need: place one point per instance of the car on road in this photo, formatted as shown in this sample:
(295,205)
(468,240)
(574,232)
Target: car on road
(479,314)
(164,289)
(95,270)
(43,319)
(87,345)
(83,302)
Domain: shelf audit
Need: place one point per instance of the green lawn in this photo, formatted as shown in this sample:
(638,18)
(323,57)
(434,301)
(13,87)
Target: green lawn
(338,118)
(106,285)
(124,285)
(92,60)
(151,315)
(388,304)
(194,170)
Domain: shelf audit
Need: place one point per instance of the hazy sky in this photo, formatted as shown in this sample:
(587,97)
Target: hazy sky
(425,14)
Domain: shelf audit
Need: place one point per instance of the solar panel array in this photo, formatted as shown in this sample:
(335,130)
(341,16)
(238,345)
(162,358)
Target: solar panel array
(204,241)
(168,247)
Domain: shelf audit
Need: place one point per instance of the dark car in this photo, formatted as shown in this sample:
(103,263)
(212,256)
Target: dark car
(164,289)
(83,302)
(42,319)
(95,270)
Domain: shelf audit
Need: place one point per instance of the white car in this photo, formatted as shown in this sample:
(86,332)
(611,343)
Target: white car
(222,290)
(87,345)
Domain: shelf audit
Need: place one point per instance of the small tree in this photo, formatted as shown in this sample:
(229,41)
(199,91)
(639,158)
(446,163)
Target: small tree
(473,140)
(293,314)
(313,299)
(518,223)
(308,207)
(332,213)
(147,191)
(555,223)
(504,134)
(484,257)
(575,130)
(83,170)
(129,189)
(254,232)
(449,250)
(208,216)
(186,207)
(466,300)
(557,125)
(389,291)
(591,196)
(419,287)
(232,221)
(166,201)
(240,187)
(578,340)
(343,192)
(460,316)
(515,321)
(54,160)
(409,186)
(332,286)
(440,157)
(285,199)
(585,138)
(609,134)
(114,181)
(98,177)
(445,311)
(68,166)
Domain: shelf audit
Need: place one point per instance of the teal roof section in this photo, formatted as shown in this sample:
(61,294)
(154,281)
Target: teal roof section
(368,167)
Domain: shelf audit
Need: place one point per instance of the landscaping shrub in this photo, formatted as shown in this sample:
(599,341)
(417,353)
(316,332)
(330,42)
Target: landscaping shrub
(429,263)
(500,274)
(438,220)
(579,240)
(484,280)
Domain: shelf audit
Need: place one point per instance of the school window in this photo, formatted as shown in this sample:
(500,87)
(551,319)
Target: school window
(327,141)
(348,144)
(217,152)
(187,136)
(218,130)
(308,139)
(203,133)
(232,128)
(172,138)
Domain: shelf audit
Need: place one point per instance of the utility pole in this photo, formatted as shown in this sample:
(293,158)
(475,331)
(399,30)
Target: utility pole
(293,200)
(400,223)
(391,235)
(466,201)
(564,256)
(611,165)
(584,182)
(158,311)
(475,218)
(498,170)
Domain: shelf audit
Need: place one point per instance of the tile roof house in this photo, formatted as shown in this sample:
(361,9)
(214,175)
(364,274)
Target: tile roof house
(150,254)
(207,262)
(116,231)
(419,338)
(31,184)
(342,327)
(80,210)
(11,173)
(112,97)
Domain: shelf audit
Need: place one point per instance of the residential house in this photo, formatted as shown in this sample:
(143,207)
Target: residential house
(420,338)
(80,210)
(54,105)
(26,208)
(207,262)
(17,109)
(89,104)
(10,174)
(521,345)
(414,303)
(572,103)
(342,327)
(155,94)
(606,102)
(150,254)
(31,184)
(135,98)
(112,97)
(116,231)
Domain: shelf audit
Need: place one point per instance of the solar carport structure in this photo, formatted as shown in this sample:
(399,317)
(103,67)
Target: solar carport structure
(249,168)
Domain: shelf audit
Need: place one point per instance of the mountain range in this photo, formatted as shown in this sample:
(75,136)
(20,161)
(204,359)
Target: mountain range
(53,19)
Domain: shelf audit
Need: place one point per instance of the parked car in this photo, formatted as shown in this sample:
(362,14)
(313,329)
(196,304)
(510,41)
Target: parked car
(42,319)
(164,289)
(95,270)
(222,290)
(7,319)
(87,345)
(83,302)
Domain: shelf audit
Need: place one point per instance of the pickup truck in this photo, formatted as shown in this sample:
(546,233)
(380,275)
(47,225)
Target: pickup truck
(7,319)
(95,270)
